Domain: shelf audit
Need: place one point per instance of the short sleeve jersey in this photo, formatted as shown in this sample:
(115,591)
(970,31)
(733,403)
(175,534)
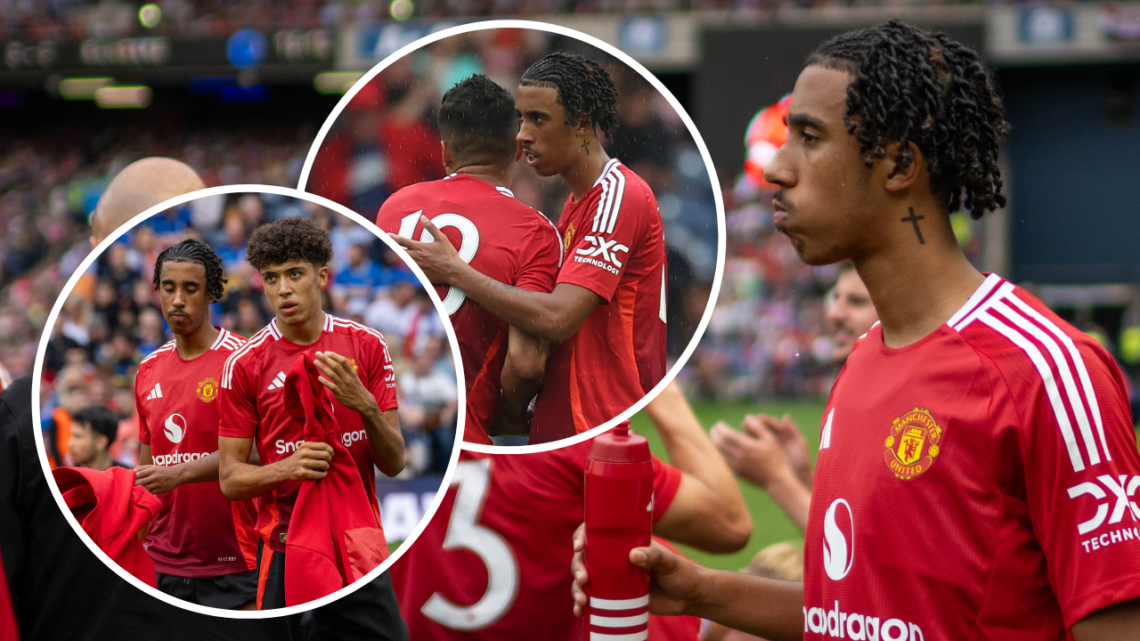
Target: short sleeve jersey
(499,237)
(199,533)
(980,483)
(253,406)
(493,563)
(615,247)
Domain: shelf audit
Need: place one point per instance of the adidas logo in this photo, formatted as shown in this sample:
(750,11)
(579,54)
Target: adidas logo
(278,382)
(156,392)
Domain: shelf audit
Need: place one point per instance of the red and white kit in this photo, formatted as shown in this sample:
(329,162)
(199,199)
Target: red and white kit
(997,482)
(615,247)
(492,563)
(199,533)
(253,406)
(501,238)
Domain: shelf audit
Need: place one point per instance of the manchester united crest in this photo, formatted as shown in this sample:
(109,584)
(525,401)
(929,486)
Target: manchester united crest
(569,238)
(208,390)
(913,444)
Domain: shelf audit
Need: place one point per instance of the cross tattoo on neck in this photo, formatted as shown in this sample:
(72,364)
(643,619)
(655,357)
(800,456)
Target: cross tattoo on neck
(914,220)
(586,146)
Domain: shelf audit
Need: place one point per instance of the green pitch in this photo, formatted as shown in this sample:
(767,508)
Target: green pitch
(769,523)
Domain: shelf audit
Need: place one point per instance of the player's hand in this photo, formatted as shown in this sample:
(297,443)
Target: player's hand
(342,380)
(794,444)
(157,479)
(437,258)
(673,581)
(754,454)
(309,463)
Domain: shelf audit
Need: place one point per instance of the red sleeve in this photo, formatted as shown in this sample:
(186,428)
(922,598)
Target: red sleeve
(238,400)
(666,482)
(596,260)
(1083,489)
(541,257)
(381,373)
(144,430)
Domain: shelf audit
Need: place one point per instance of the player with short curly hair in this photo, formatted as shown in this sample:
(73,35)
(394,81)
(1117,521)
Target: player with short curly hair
(613,278)
(502,238)
(977,465)
(287,240)
(291,256)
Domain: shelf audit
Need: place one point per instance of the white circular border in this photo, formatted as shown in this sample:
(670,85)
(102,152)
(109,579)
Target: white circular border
(636,66)
(38,373)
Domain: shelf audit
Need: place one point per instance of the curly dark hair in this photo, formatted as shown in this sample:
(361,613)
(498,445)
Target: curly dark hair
(913,85)
(584,88)
(478,120)
(194,251)
(293,238)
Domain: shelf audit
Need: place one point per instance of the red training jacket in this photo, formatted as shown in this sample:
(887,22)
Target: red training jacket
(112,511)
(334,538)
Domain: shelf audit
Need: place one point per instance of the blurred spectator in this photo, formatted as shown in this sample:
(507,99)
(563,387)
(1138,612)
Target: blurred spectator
(428,409)
(72,395)
(93,429)
(772,453)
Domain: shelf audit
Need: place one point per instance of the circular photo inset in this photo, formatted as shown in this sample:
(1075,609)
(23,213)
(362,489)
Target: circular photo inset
(248,401)
(561,201)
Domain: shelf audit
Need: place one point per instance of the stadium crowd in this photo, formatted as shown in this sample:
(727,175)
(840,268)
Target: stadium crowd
(78,19)
(50,182)
(387,138)
(111,321)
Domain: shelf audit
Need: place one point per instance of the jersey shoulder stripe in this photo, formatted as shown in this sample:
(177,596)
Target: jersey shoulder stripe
(354,327)
(230,342)
(611,199)
(231,361)
(159,352)
(1048,350)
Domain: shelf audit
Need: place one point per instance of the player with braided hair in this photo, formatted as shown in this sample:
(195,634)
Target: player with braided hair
(203,546)
(974,443)
(613,276)
(194,251)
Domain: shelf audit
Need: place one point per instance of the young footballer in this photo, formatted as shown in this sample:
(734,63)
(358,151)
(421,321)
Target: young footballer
(503,367)
(978,471)
(203,545)
(607,310)
(291,255)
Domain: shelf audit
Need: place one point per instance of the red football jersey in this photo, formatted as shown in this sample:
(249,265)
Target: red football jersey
(980,483)
(199,533)
(615,247)
(494,562)
(252,405)
(501,238)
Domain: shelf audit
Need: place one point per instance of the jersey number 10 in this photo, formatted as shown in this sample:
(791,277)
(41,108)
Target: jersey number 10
(468,246)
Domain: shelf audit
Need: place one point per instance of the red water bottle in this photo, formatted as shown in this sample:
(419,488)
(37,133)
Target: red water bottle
(619,517)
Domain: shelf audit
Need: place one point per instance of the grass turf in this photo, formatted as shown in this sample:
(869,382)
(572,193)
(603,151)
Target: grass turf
(769,523)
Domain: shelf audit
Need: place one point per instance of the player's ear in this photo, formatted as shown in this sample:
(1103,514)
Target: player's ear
(585,127)
(446,151)
(323,276)
(898,177)
(519,151)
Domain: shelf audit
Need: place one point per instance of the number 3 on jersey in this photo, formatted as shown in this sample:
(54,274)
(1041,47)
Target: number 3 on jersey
(468,246)
(464,531)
